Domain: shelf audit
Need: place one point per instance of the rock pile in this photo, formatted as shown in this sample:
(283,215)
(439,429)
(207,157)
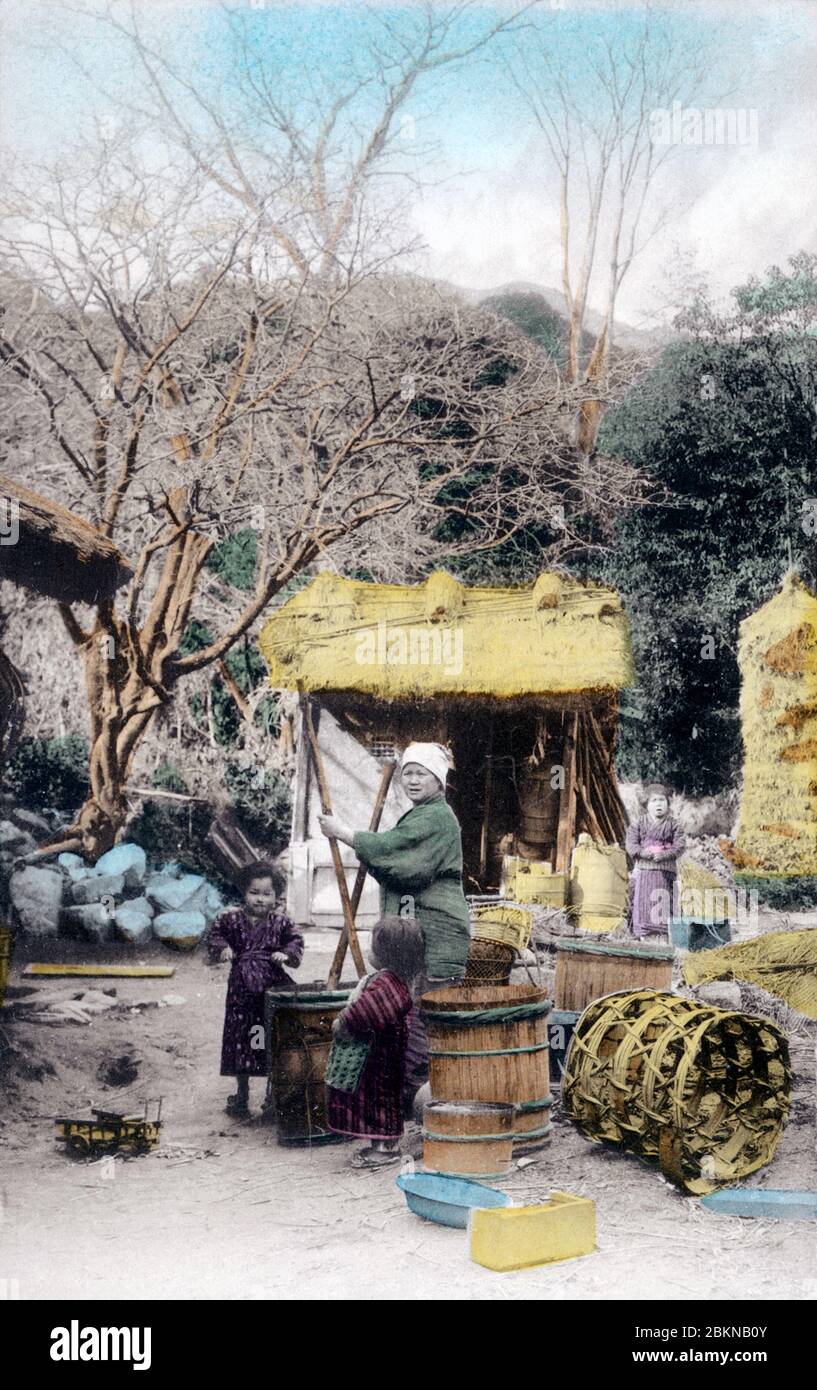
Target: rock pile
(119,897)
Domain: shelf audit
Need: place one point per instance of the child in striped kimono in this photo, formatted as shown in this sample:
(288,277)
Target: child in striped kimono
(365,1074)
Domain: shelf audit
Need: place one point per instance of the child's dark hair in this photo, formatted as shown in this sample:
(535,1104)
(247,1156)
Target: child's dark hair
(260,868)
(399,945)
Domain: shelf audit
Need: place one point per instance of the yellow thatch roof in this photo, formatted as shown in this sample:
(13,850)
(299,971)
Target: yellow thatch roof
(778,705)
(390,641)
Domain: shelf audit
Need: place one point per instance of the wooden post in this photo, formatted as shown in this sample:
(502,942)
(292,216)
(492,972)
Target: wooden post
(357,887)
(566,830)
(486,809)
(326,807)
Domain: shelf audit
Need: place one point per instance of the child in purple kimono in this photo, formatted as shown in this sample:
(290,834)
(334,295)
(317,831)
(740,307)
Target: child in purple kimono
(260,940)
(654,843)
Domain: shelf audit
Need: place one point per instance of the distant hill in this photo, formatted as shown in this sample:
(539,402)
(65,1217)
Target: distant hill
(541,312)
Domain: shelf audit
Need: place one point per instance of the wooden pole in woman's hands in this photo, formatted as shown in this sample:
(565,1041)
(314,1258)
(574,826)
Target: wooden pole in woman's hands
(326,807)
(360,878)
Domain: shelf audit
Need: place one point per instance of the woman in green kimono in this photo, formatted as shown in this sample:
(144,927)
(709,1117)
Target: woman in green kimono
(418,865)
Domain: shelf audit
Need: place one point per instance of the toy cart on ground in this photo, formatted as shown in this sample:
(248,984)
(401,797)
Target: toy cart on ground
(110,1131)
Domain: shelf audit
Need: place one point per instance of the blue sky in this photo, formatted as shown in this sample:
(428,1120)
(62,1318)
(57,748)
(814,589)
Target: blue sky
(489,216)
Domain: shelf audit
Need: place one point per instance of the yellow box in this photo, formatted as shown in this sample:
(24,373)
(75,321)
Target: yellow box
(517,1237)
(532,881)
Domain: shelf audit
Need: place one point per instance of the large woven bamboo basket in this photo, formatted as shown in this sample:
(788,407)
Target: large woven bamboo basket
(492,1045)
(704,1091)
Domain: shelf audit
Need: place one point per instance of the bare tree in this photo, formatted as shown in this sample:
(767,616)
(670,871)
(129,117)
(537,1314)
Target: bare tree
(205,332)
(596,115)
(309,149)
(161,383)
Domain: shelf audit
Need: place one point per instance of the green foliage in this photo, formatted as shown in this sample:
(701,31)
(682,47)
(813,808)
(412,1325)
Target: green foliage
(234,559)
(532,315)
(729,429)
(263,804)
(783,893)
(171,830)
(195,638)
(167,779)
(248,668)
(50,772)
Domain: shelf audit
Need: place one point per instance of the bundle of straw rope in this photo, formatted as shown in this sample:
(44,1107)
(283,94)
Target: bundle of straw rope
(784,963)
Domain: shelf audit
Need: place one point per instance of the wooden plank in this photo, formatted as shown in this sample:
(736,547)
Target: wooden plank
(583,781)
(124,972)
(597,792)
(326,807)
(360,878)
(616,807)
(593,825)
(597,783)
(566,830)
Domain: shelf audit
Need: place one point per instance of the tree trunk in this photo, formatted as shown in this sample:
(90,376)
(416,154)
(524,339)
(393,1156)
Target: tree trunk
(11,708)
(122,701)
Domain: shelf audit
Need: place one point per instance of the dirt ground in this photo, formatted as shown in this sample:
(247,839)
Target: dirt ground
(222,1211)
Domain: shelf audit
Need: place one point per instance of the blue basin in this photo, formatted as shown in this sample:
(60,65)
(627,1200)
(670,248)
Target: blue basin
(447,1200)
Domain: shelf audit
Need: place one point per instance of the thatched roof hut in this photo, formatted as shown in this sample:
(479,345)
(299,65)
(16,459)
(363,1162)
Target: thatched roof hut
(57,553)
(557,638)
(521,684)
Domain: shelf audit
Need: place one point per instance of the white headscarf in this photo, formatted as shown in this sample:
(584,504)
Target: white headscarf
(432,756)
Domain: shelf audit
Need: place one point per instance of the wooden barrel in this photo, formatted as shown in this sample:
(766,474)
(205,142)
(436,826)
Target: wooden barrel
(491,1045)
(468,1139)
(532,1125)
(587,970)
(704,1091)
(298,1029)
(538,805)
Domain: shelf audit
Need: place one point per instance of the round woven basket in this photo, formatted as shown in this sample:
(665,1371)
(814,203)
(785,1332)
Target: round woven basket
(703,1091)
(489,963)
(509,925)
